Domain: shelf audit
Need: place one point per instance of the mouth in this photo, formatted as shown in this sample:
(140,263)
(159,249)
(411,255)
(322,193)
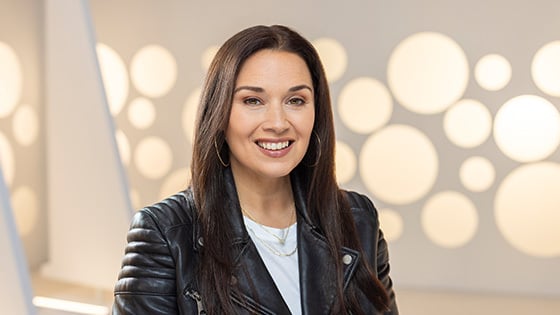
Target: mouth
(274,146)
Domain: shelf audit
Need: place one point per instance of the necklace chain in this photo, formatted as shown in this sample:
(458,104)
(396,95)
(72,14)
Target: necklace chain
(285,232)
(271,248)
(280,239)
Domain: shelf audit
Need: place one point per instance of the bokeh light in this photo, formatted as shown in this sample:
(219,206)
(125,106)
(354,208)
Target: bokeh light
(546,68)
(526,209)
(11,79)
(449,219)
(399,164)
(7,160)
(26,209)
(492,72)
(188,117)
(468,123)
(334,58)
(208,56)
(115,77)
(477,174)
(391,223)
(153,157)
(428,72)
(175,182)
(364,105)
(25,125)
(153,71)
(346,162)
(141,113)
(527,128)
(124,147)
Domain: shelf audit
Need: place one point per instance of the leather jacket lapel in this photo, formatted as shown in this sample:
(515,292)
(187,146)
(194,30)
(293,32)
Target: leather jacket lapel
(256,290)
(317,269)
(318,273)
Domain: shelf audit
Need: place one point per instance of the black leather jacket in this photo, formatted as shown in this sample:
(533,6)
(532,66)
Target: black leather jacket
(157,275)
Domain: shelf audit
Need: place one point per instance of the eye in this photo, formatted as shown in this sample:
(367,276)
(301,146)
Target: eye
(252,101)
(296,101)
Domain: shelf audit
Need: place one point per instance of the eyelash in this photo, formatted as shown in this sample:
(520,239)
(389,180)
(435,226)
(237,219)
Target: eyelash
(252,101)
(299,101)
(255,101)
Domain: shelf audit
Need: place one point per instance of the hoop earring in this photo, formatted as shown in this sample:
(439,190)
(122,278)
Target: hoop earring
(319,146)
(218,154)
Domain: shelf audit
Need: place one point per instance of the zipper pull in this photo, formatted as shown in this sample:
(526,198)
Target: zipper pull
(196,297)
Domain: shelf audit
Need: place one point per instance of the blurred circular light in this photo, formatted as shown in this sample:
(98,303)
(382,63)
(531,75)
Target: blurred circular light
(153,157)
(25,125)
(115,77)
(477,174)
(153,71)
(468,123)
(399,164)
(365,105)
(124,147)
(492,72)
(11,79)
(449,219)
(188,117)
(7,160)
(345,162)
(527,128)
(208,56)
(546,68)
(26,209)
(526,209)
(333,56)
(391,223)
(428,72)
(176,182)
(141,113)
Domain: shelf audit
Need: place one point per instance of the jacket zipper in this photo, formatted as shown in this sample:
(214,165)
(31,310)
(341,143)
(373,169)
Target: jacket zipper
(196,297)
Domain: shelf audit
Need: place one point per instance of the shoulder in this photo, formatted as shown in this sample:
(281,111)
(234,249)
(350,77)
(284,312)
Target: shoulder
(359,201)
(173,211)
(362,208)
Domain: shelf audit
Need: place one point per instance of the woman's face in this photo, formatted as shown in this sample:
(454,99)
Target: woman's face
(272,115)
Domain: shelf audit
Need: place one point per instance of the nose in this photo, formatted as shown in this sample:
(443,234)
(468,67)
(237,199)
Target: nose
(276,119)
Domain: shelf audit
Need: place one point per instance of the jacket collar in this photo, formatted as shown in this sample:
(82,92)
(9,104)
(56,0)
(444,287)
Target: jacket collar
(316,265)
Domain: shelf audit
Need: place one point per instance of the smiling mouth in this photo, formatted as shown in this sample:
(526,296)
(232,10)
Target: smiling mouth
(274,146)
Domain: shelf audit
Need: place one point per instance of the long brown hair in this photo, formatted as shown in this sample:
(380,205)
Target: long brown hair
(316,173)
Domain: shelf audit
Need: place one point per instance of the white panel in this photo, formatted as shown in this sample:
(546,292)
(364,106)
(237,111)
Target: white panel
(15,287)
(89,209)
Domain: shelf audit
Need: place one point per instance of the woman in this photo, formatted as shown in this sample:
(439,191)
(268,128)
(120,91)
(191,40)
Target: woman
(264,227)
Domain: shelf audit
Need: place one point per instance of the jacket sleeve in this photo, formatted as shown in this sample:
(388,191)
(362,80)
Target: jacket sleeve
(146,282)
(383,269)
(378,245)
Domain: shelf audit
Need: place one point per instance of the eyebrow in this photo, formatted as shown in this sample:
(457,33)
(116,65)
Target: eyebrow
(261,90)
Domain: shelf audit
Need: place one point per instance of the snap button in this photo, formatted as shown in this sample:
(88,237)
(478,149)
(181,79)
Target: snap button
(200,241)
(347,259)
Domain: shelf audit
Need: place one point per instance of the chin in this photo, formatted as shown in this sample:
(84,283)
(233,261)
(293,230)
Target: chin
(277,172)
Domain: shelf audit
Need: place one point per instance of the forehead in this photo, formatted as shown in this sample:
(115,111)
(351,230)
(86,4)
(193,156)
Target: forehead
(277,65)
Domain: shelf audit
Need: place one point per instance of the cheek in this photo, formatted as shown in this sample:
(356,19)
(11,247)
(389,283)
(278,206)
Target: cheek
(307,124)
(235,124)
(306,129)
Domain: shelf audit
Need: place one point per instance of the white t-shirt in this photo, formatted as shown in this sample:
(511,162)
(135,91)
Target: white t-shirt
(283,269)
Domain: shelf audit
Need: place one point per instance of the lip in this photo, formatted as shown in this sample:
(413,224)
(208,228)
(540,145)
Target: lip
(275,153)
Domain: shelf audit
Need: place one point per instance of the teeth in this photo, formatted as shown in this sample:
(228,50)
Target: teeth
(274,145)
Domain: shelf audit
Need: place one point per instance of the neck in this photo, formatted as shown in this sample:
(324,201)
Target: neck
(268,202)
